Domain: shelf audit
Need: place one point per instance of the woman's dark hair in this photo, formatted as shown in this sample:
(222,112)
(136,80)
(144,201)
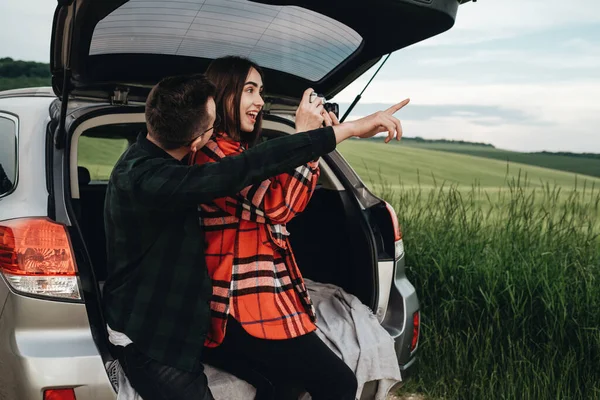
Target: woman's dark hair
(229,75)
(176,109)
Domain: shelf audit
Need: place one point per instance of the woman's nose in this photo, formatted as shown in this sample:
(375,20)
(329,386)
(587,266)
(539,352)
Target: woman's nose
(259,101)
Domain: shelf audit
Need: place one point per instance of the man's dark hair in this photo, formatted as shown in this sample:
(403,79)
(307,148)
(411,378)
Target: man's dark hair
(229,76)
(176,109)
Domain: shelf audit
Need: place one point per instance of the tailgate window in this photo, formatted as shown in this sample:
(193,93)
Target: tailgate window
(290,39)
(8,153)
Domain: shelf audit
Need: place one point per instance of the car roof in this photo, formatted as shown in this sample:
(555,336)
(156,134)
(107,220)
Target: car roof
(45,91)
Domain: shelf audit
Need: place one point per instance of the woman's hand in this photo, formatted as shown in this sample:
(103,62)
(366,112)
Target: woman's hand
(309,115)
(371,125)
(329,118)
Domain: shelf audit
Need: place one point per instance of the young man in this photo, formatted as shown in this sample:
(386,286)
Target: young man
(156,296)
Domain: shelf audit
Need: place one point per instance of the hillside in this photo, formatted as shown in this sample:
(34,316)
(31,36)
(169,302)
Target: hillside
(582,164)
(416,164)
(393,164)
(579,164)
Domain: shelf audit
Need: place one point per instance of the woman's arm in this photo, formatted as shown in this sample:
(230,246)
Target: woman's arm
(276,200)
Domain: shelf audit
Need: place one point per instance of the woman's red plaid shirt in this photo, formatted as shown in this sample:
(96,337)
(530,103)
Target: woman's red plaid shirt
(255,277)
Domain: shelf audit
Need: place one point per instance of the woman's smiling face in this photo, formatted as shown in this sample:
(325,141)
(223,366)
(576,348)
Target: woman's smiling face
(251,102)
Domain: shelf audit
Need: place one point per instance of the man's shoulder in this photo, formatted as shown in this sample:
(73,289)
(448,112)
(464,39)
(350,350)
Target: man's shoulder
(135,158)
(137,165)
(135,151)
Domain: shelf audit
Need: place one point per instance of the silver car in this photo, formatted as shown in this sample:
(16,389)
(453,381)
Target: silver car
(58,146)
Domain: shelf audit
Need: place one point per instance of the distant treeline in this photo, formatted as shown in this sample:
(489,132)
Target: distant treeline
(418,139)
(566,153)
(16,74)
(488,146)
(421,140)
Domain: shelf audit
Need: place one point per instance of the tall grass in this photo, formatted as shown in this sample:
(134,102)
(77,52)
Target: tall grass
(509,288)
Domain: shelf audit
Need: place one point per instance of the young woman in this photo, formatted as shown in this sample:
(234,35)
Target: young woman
(263,322)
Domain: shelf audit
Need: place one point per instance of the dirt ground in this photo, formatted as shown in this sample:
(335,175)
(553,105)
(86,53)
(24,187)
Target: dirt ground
(412,396)
(406,397)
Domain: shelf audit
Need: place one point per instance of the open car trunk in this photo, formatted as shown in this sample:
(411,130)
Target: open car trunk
(331,247)
(329,240)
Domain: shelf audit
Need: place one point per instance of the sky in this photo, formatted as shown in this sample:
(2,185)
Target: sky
(519,74)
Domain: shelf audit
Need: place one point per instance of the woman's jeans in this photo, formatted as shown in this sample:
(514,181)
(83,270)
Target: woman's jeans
(281,369)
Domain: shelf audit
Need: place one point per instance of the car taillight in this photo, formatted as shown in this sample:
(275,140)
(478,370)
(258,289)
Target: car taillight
(398,244)
(36,258)
(416,331)
(59,394)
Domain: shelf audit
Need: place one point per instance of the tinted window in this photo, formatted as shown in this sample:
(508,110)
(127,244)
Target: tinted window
(8,154)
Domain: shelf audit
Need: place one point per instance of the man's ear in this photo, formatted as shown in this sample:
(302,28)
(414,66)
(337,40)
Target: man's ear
(197,144)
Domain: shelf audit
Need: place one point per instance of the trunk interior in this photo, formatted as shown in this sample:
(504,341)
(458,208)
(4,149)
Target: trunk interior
(330,243)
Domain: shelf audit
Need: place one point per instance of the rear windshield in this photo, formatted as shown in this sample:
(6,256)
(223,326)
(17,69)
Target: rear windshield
(8,154)
(290,39)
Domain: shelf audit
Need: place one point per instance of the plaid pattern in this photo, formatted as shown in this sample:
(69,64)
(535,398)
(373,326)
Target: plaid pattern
(255,277)
(158,289)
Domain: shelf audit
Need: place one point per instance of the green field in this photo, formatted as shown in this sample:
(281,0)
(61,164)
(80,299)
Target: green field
(510,299)
(410,165)
(402,165)
(582,165)
(505,259)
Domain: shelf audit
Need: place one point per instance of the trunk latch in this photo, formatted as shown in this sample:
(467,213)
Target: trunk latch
(119,97)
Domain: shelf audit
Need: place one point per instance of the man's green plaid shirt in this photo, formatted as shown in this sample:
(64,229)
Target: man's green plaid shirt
(158,289)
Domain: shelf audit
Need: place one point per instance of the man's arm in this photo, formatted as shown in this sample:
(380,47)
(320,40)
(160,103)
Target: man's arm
(173,185)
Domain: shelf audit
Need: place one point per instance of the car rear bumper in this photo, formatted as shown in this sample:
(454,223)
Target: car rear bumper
(398,320)
(45,345)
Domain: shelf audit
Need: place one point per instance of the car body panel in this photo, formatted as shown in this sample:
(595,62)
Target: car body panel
(30,195)
(402,304)
(48,344)
(43,343)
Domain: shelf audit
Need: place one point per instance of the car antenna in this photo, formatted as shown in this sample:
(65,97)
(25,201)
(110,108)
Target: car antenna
(357,99)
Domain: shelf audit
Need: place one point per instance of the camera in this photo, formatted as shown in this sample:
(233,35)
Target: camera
(329,107)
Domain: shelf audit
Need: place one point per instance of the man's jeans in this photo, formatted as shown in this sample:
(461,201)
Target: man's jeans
(155,381)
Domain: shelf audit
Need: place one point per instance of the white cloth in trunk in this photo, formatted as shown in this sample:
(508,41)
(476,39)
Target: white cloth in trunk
(346,325)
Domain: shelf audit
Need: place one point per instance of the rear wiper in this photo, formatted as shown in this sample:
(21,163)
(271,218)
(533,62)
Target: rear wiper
(357,99)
